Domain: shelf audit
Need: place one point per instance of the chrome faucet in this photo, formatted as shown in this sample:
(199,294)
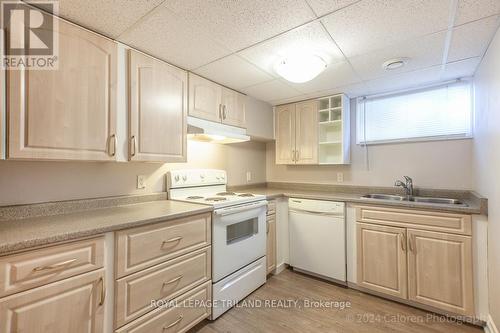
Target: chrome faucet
(407,185)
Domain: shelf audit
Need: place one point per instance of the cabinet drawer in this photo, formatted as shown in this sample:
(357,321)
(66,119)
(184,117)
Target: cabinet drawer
(143,247)
(192,307)
(271,208)
(417,219)
(134,293)
(31,269)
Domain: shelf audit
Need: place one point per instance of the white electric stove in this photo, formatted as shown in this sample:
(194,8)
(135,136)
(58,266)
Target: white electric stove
(238,233)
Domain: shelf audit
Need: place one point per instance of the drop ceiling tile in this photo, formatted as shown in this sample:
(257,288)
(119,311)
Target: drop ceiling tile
(421,52)
(169,37)
(234,72)
(271,91)
(407,80)
(336,75)
(289,100)
(459,69)
(238,24)
(352,90)
(471,10)
(472,39)
(374,24)
(323,7)
(109,17)
(310,38)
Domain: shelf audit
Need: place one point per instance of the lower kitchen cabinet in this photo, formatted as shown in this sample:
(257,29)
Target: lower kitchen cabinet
(271,244)
(382,259)
(396,256)
(440,270)
(71,305)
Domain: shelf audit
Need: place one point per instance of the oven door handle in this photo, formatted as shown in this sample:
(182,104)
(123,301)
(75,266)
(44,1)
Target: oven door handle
(242,208)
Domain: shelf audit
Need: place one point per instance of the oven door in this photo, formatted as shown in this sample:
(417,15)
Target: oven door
(239,237)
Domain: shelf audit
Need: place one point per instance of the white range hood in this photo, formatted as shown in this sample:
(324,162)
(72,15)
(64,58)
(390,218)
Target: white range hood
(210,131)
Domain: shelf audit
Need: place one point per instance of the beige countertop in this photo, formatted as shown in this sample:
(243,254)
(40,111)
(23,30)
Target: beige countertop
(473,206)
(20,234)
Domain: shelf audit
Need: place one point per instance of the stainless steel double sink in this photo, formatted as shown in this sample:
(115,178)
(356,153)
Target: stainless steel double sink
(432,200)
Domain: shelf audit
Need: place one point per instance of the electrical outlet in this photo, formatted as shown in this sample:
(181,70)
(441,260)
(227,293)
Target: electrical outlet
(141,182)
(340,177)
(249,176)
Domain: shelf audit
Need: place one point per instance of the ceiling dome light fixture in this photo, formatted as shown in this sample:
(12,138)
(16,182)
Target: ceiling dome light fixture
(393,64)
(300,68)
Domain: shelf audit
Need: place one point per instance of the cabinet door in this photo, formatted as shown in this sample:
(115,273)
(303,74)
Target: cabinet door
(285,134)
(66,113)
(307,132)
(271,243)
(440,271)
(158,110)
(381,257)
(233,112)
(205,98)
(71,305)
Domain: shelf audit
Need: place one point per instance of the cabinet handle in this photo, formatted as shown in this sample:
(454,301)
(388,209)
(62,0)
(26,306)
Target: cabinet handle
(298,155)
(103,291)
(403,242)
(412,248)
(112,138)
(133,146)
(53,266)
(220,111)
(224,113)
(174,323)
(173,280)
(171,240)
(267,228)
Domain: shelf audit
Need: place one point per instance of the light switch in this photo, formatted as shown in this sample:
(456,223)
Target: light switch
(141,182)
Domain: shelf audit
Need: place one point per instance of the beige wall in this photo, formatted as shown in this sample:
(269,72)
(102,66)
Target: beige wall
(439,164)
(487,161)
(30,182)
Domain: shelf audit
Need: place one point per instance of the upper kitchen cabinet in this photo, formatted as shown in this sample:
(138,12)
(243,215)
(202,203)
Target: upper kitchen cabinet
(297,133)
(313,132)
(233,108)
(68,113)
(285,134)
(306,132)
(157,110)
(210,101)
(205,99)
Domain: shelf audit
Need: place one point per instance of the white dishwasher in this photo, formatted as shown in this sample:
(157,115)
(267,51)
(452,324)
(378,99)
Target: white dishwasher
(318,238)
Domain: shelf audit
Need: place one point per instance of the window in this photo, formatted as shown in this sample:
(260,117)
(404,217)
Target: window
(437,113)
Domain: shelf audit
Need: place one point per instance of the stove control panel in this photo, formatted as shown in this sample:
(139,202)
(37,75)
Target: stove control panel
(195,177)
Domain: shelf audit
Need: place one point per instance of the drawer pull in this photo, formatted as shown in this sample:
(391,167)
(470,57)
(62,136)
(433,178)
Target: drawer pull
(173,280)
(103,292)
(54,266)
(174,323)
(171,240)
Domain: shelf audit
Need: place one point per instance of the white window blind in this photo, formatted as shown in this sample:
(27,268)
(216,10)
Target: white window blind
(442,112)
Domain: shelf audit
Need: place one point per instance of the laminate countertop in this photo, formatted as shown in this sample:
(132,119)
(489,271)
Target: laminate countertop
(473,205)
(21,234)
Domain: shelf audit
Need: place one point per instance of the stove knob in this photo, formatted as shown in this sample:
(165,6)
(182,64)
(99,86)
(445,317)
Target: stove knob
(176,178)
(202,177)
(184,178)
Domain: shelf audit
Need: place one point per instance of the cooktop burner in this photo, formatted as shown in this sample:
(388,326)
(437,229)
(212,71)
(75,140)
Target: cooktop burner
(215,199)
(194,197)
(225,193)
(245,195)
